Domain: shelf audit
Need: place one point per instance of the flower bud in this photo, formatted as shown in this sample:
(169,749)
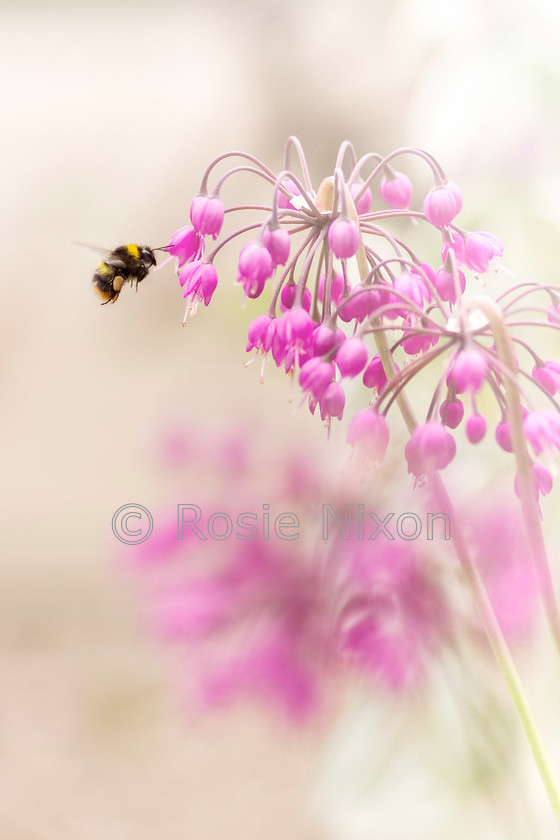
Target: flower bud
(396,191)
(344,238)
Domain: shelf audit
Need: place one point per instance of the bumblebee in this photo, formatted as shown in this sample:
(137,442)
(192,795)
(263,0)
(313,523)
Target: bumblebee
(126,264)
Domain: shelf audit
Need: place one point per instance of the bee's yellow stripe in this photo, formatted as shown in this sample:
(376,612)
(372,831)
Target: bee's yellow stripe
(133,250)
(104,269)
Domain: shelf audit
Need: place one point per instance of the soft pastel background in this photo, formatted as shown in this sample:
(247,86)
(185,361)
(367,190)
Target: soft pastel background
(109,114)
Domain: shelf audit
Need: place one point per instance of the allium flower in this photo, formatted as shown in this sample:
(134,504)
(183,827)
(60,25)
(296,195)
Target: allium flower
(363,204)
(316,376)
(393,616)
(255,267)
(332,402)
(476,428)
(344,238)
(480,249)
(369,432)
(430,448)
(200,280)
(441,205)
(277,243)
(542,430)
(184,245)
(351,357)
(313,242)
(374,375)
(469,371)
(207,215)
(451,413)
(548,375)
(500,549)
(396,191)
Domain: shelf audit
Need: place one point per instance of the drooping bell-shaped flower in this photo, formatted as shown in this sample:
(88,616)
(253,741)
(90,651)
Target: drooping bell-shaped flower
(207,215)
(351,357)
(184,244)
(441,205)
(396,191)
(363,205)
(369,432)
(315,376)
(480,249)
(254,268)
(277,243)
(476,428)
(344,238)
(332,402)
(469,370)
(430,448)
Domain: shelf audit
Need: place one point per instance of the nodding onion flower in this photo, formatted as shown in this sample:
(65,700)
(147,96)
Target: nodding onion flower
(338,281)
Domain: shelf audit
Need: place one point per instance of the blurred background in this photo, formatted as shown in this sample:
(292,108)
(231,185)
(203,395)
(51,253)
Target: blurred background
(110,113)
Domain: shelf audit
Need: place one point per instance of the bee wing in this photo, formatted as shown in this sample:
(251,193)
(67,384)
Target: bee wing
(103,251)
(114,262)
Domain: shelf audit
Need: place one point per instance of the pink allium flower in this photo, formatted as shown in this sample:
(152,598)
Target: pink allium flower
(261,333)
(430,448)
(254,268)
(451,413)
(440,205)
(392,617)
(409,287)
(457,245)
(374,375)
(476,428)
(277,243)
(207,215)
(445,285)
(325,339)
(498,540)
(480,249)
(315,376)
(200,280)
(351,357)
(396,191)
(332,402)
(503,436)
(469,371)
(362,302)
(344,238)
(285,203)
(457,195)
(548,375)
(369,432)
(364,204)
(337,287)
(184,244)
(288,298)
(542,430)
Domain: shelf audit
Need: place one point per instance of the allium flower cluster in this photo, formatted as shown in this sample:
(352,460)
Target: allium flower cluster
(278,620)
(275,619)
(348,300)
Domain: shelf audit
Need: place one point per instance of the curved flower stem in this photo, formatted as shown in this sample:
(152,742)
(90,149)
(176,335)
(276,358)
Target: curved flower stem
(490,623)
(499,648)
(529,504)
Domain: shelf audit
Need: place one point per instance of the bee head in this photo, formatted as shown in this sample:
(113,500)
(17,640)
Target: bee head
(148,257)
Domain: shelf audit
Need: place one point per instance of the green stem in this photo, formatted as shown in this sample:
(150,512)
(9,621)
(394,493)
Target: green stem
(480,597)
(529,504)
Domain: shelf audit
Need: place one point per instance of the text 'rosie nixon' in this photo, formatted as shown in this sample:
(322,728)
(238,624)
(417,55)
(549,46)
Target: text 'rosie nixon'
(351,524)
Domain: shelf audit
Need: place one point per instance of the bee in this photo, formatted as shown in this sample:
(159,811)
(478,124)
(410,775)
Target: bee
(126,264)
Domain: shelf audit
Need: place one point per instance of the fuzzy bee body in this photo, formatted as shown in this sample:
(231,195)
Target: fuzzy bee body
(126,264)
